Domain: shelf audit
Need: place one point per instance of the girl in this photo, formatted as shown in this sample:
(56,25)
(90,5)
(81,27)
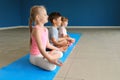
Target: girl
(63,31)
(39,41)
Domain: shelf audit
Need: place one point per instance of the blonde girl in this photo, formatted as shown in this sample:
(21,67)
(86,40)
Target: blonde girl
(39,41)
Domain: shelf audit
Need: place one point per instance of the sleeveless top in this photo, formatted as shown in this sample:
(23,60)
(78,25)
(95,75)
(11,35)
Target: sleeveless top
(34,50)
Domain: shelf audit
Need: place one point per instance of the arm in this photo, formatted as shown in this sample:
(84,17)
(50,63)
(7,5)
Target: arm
(64,36)
(37,35)
(61,32)
(51,46)
(52,59)
(56,43)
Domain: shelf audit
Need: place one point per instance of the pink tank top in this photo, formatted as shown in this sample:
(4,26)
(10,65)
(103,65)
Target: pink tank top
(44,37)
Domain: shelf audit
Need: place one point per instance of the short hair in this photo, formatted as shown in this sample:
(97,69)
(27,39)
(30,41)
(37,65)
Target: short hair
(54,15)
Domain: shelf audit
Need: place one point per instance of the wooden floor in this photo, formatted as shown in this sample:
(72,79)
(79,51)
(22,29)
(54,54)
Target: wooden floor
(95,57)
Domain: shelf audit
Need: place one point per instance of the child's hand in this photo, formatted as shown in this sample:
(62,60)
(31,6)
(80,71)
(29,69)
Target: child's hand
(54,58)
(56,62)
(59,63)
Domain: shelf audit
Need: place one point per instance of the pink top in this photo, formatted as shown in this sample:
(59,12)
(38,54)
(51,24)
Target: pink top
(43,36)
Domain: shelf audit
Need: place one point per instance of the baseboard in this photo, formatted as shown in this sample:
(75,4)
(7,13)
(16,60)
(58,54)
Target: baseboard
(92,27)
(70,27)
(12,27)
(86,27)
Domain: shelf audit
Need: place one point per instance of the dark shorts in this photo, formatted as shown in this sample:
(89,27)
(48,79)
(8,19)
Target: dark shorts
(47,49)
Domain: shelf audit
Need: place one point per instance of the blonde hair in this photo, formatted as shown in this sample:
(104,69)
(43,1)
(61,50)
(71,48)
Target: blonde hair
(34,11)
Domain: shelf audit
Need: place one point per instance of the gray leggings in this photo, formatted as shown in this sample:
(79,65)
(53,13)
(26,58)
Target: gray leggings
(39,61)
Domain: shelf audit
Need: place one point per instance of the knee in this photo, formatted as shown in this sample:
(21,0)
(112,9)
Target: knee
(51,68)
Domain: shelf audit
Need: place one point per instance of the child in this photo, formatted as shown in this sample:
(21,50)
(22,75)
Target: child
(63,31)
(39,41)
(55,19)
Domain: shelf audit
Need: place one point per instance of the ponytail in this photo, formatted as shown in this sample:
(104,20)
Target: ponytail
(30,28)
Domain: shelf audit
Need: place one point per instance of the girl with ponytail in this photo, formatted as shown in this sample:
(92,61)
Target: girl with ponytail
(39,41)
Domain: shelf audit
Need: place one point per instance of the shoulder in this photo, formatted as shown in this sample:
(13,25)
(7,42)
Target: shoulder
(53,29)
(37,29)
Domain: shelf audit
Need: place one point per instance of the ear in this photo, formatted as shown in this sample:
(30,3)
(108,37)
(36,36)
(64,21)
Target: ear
(54,21)
(37,17)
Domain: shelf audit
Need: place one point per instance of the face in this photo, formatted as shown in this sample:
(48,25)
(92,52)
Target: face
(65,23)
(43,16)
(57,21)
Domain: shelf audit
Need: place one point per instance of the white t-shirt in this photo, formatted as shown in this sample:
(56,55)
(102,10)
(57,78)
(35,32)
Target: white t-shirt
(62,31)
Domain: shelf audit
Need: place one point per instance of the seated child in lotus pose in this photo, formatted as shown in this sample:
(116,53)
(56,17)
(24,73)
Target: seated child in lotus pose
(39,41)
(62,43)
(63,31)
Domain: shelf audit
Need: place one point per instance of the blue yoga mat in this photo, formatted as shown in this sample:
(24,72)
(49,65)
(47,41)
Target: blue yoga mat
(22,69)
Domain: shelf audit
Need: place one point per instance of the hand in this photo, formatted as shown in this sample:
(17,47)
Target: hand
(65,43)
(56,62)
(54,58)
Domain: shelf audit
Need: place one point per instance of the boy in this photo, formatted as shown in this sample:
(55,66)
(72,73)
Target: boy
(55,19)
